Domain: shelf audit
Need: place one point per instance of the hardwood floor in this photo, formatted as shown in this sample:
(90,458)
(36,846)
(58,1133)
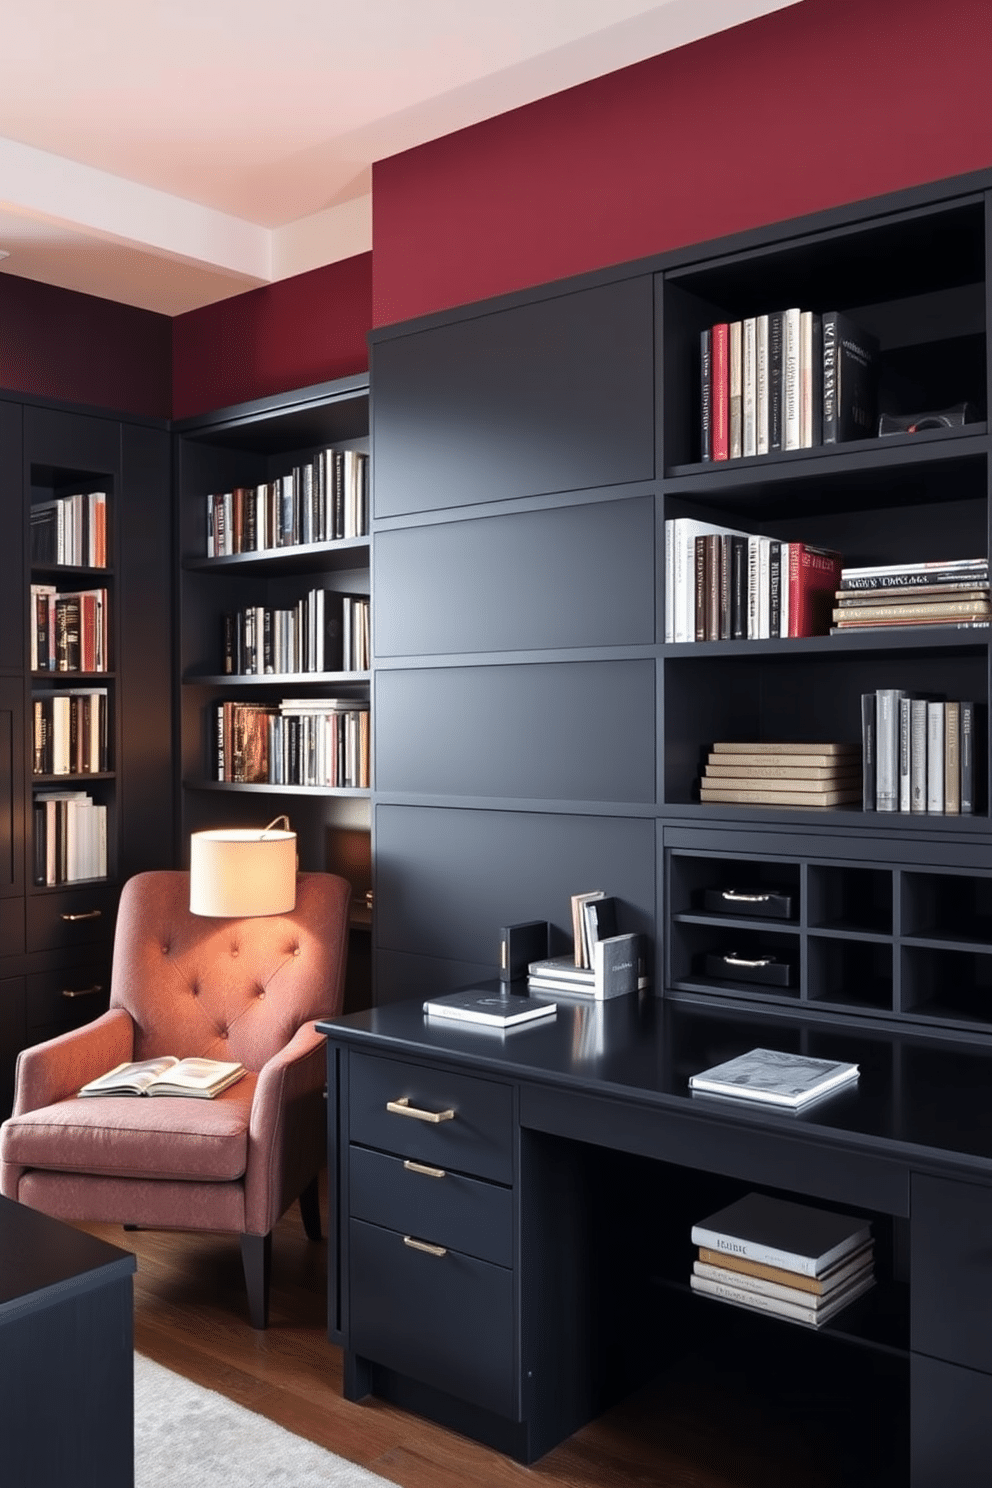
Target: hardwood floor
(700,1425)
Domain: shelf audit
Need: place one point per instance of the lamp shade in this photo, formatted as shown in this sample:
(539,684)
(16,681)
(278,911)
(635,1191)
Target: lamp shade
(240,873)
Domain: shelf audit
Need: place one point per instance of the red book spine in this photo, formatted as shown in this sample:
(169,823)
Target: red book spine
(814,576)
(720,402)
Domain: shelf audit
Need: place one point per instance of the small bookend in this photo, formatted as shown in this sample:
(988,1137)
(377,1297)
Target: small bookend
(519,945)
(616,963)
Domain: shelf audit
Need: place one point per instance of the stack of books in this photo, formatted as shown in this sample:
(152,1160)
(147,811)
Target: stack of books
(773,774)
(918,754)
(70,837)
(886,596)
(773,1256)
(71,530)
(322,500)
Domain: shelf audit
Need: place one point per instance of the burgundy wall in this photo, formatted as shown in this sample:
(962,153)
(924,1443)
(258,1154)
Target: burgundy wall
(60,344)
(307,329)
(827,102)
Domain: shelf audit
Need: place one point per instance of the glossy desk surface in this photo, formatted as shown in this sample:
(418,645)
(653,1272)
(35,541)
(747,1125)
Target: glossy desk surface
(42,1259)
(920,1101)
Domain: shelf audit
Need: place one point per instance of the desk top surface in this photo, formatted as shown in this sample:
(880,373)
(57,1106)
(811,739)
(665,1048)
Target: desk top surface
(916,1098)
(39,1256)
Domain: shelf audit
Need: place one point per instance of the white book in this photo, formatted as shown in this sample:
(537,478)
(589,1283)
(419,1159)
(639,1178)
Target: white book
(670,580)
(749,388)
(935,757)
(905,753)
(764,588)
(805,379)
(761,384)
(794,1312)
(887,748)
(918,754)
(685,530)
(791,432)
(494,1009)
(775,1078)
(783,1233)
(784,586)
(753,587)
(759,1286)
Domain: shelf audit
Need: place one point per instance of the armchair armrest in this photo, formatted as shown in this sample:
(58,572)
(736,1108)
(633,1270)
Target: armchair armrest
(286,1137)
(54,1070)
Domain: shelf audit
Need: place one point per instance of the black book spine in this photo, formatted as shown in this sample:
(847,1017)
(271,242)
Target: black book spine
(816,371)
(868,750)
(776,351)
(828,335)
(267,656)
(40,843)
(104,733)
(228,643)
(967,755)
(338,494)
(738,588)
(705,395)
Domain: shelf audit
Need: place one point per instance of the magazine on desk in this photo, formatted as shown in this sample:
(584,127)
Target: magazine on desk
(772,1077)
(167,1075)
(489,1009)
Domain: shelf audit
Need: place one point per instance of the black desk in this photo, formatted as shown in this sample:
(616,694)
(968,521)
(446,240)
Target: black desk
(66,1355)
(549,1266)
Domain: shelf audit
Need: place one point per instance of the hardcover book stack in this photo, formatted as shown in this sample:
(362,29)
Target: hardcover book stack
(603,964)
(71,530)
(70,837)
(724,585)
(886,596)
(70,732)
(785,381)
(321,501)
(68,630)
(773,774)
(790,1260)
(325,631)
(298,741)
(918,753)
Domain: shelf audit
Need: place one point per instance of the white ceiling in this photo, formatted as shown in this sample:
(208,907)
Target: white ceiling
(169,153)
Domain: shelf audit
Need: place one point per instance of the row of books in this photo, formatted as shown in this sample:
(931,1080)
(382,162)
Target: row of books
(70,732)
(941,592)
(70,837)
(70,530)
(68,629)
(918,753)
(325,631)
(788,380)
(782,774)
(722,584)
(769,1255)
(321,501)
(298,741)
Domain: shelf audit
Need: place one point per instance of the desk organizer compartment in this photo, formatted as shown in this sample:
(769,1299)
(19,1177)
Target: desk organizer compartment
(734,887)
(736,958)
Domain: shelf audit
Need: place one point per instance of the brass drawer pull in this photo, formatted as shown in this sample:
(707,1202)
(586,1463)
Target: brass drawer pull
(82,991)
(89,914)
(434,1250)
(415,1167)
(402,1107)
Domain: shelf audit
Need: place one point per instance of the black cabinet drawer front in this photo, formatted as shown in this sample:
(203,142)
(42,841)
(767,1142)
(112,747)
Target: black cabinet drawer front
(476,1138)
(941,1394)
(83,916)
(951,1271)
(68,997)
(446,1320)
(437,1205)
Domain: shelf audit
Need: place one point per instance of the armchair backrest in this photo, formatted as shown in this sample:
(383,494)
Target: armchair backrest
(226,989)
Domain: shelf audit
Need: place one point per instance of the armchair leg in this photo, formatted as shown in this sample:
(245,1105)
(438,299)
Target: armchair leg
(310,1209)
(256,1257)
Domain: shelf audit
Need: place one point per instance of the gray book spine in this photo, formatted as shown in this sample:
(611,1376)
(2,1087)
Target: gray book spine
(868,750)
(935,757)
(887,749)
(918,755)
(967,758)
(905,754)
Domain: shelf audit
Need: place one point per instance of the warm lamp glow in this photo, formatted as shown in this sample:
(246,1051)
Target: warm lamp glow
(241,873)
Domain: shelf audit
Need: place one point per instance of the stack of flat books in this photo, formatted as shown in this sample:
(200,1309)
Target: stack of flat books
(798,1263)
(826,774)
(952,592)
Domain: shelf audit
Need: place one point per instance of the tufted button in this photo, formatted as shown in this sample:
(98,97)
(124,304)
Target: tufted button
(166,949)
(194,990)
(234,951)
(296,950)
(223,1033)
(260,993)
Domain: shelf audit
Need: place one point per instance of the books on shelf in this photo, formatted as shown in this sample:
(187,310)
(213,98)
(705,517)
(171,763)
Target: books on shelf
(782,774)
(70,837)
(773,1077)
(323,500)
(951,592)
(491,1009)
(918,753)
(724,584)
(316,741)
(789,380)
(325,631)
(68,630)
(167,1075)
(70,531)
(70,732)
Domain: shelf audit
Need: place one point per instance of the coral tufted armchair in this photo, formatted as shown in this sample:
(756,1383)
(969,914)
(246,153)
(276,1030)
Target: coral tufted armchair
(248,990)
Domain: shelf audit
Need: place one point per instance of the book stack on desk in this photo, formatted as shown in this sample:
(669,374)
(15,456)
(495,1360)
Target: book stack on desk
(773,1256)
(774,774)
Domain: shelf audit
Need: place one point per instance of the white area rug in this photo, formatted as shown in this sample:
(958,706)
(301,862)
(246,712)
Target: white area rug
(189,1437)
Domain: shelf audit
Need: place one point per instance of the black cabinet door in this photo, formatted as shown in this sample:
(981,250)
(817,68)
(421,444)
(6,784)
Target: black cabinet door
(12,593)
(11,794)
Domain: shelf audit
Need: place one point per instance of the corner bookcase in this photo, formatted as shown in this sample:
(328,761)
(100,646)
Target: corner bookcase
(537,736)
(247,446)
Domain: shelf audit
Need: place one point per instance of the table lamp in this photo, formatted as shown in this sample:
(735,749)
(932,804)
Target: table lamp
(243,872)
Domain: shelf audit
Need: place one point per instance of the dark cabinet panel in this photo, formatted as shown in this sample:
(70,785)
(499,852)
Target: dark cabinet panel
(574,731)
(566,576)
(951,1271)
(556,395)
(12,594)
(942,1394)
(11,790)
(447,879)
(11,1037)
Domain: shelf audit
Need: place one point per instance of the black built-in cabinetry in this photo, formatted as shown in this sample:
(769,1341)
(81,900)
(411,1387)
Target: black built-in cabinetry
(56,939)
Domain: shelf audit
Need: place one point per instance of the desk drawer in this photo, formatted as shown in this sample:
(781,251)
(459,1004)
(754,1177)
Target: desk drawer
(71,917)
(434,1204)
(476,1138)
(66,998)
(951,1271)
(444,1320)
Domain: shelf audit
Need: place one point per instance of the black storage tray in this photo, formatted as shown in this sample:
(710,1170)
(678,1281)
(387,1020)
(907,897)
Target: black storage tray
(770,904)
(764,969)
